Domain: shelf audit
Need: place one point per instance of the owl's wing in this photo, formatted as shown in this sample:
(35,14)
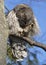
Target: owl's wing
(13,23)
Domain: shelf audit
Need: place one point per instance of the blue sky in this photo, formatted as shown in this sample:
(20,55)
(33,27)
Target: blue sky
(39,9)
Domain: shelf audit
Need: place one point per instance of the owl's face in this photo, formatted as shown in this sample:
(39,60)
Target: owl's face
(24,15)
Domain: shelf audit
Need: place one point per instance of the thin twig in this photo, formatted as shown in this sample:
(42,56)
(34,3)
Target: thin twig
(6,8)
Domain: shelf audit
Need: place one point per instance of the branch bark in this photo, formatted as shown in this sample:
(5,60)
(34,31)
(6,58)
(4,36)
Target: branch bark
(30,41)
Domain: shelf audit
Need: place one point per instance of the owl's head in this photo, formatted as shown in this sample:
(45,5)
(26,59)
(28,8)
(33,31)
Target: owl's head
(27,20)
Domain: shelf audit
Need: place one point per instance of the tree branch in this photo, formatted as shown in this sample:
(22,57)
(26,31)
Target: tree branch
(30,41)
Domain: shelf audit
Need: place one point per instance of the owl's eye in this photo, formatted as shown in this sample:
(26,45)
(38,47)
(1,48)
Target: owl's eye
(32,24)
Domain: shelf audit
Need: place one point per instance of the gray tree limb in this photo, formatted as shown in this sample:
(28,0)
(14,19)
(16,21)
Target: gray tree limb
(30,41)
(3,34)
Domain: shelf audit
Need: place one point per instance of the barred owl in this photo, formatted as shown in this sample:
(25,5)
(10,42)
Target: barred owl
(21,21)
